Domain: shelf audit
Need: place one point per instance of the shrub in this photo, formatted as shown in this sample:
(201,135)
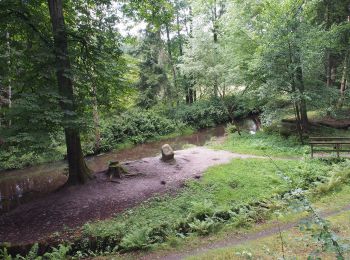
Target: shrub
(338,176)
(230,129)
(135,126)
(202,114)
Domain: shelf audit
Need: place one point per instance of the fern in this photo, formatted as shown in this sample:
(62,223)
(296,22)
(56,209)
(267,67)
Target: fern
(203,227)
(4,254)
(138,239)
(59,253)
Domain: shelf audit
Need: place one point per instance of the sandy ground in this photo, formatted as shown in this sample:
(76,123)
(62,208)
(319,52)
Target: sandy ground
(73,206)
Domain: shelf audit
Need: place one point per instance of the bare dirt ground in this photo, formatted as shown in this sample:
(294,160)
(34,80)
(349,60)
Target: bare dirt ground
(71,207)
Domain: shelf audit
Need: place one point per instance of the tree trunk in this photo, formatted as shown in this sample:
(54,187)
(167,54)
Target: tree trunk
(343,80)
(171,55)
(329,69)
(328,52)
(295,104)
(215,17)
(9,91)
(178,33)
(78,171)
(189,82)
(96,119)
(301,87)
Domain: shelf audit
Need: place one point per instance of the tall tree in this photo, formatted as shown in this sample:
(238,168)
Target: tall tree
(78,171)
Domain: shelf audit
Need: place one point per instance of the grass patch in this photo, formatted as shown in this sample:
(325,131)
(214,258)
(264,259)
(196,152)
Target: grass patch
(263,144)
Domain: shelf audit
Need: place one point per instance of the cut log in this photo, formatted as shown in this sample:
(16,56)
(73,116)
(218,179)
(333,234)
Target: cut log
(116,170)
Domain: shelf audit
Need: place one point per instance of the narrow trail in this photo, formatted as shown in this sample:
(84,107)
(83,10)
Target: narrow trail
(235,240)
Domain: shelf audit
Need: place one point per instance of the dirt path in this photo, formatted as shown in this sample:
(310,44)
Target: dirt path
(100,199)
(235,240)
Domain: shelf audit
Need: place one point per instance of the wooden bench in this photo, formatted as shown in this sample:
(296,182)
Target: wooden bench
(330,144)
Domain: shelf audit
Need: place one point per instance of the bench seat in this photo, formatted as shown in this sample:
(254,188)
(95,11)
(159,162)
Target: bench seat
(335,144)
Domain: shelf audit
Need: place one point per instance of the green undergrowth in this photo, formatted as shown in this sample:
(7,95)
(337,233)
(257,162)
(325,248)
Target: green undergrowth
(296,245)
(289,244)
(263,144)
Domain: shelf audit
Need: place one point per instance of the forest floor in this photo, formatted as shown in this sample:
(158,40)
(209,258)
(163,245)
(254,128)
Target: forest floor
(71,207)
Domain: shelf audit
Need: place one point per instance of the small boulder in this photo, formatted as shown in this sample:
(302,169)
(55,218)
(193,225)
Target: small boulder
(167,153)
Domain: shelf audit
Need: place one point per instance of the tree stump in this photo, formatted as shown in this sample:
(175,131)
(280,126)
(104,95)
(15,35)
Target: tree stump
(116,170)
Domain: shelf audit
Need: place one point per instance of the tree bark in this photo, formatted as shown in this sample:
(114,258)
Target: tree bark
(178,33)
(328,52)
(78,171)
(96,119)
(295,104)
(329,69)
(303,107)
(9,93)
(343,80)
(190,92)
(171,55)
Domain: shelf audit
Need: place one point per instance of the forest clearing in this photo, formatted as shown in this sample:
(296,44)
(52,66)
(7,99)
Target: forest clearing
(174,129)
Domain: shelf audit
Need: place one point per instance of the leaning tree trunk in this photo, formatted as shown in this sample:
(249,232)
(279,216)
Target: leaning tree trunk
(78,171)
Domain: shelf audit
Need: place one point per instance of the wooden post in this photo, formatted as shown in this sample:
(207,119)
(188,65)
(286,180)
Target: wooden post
(338,146)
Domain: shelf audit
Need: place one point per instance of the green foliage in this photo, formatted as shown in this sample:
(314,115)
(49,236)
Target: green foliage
(153,77)
(32,254)
(135,126)
(59,253)
(202,114)
(4,254)
(203,227)
(13,157)
(309,175)
(339,176)
(230,129)
(138,239)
